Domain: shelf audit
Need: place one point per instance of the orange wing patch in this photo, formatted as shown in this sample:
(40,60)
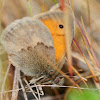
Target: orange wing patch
(58,36)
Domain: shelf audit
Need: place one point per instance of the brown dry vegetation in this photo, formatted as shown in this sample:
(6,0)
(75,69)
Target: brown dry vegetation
(86,69)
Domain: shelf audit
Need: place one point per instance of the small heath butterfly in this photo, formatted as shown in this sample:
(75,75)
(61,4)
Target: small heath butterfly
(34,43)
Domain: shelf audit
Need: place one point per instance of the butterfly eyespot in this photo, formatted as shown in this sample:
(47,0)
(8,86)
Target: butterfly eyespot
(61,26)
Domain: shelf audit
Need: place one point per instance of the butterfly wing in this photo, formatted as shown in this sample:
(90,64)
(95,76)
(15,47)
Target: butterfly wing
(54,20)
(29,44)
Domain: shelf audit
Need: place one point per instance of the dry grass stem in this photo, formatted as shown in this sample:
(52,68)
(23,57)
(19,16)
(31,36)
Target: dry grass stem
(15,85)
(31,89)
(89,66)
(78,74)
(23,89)
(90,55)
(4,80)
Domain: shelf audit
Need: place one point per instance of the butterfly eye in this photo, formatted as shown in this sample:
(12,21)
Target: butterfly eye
(61,26)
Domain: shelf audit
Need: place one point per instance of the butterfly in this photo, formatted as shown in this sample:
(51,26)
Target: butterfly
(35,45)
